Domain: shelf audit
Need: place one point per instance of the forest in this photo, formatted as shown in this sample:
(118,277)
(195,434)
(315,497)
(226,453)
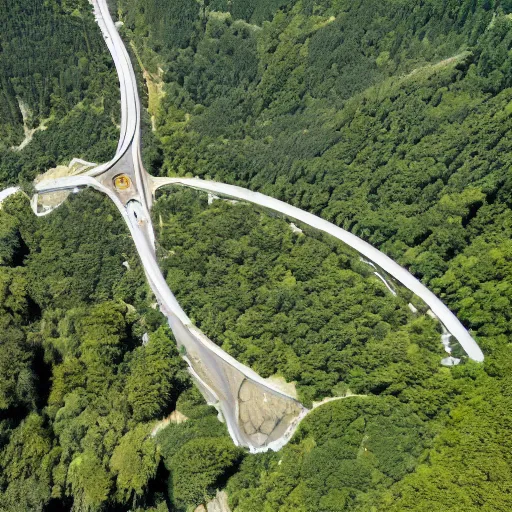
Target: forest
(58,88)
(305,307)
(291,303)
(80,392)
(389,118)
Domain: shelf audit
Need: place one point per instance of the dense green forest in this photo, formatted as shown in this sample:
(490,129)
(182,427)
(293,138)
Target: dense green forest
(57,84)
(79,392)
(290,303)
(398,132)
(389,118)
(305,307)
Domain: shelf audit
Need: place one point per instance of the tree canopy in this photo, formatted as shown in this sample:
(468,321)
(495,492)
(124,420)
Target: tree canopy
(389,118)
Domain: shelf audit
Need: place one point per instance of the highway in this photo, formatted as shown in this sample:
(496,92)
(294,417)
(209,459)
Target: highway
(130,131)
(127,82)
(445,316)
(219,375)
(258,415)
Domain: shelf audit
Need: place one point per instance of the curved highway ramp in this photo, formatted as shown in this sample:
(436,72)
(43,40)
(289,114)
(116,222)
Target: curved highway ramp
(445,316)
(258,415)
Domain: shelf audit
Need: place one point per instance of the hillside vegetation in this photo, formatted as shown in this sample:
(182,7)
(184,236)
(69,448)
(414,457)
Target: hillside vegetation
(391,119)
(297,304)
(79,392)
(306,307)
(57,84)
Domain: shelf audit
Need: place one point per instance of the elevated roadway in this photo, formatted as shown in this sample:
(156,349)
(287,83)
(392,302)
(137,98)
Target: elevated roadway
(4,194)
(258,415)
(446,317)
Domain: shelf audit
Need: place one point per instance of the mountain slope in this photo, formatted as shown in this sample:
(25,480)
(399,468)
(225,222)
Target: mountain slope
(58,88)
(391,119)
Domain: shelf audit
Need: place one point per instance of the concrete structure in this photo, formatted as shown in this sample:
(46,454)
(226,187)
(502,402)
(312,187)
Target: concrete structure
(445,316)
(258,415)
(4,194)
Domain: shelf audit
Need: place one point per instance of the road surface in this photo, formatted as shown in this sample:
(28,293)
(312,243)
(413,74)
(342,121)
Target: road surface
(224,381)
(445,316)
(4,194)
(258,415)
(129,140)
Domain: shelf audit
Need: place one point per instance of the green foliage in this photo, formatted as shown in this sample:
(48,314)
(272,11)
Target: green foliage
(17,383)
(135,462)
(161,507)
(202,421)
(254,11)
(469,467)
(391,119)
(295,304)
(199,466)
(198,454)
(79,252)
(58,78)
(156,378)
(342,454)
(89,480)
(9,235)
(171,23)
(73,376)
(27,462)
